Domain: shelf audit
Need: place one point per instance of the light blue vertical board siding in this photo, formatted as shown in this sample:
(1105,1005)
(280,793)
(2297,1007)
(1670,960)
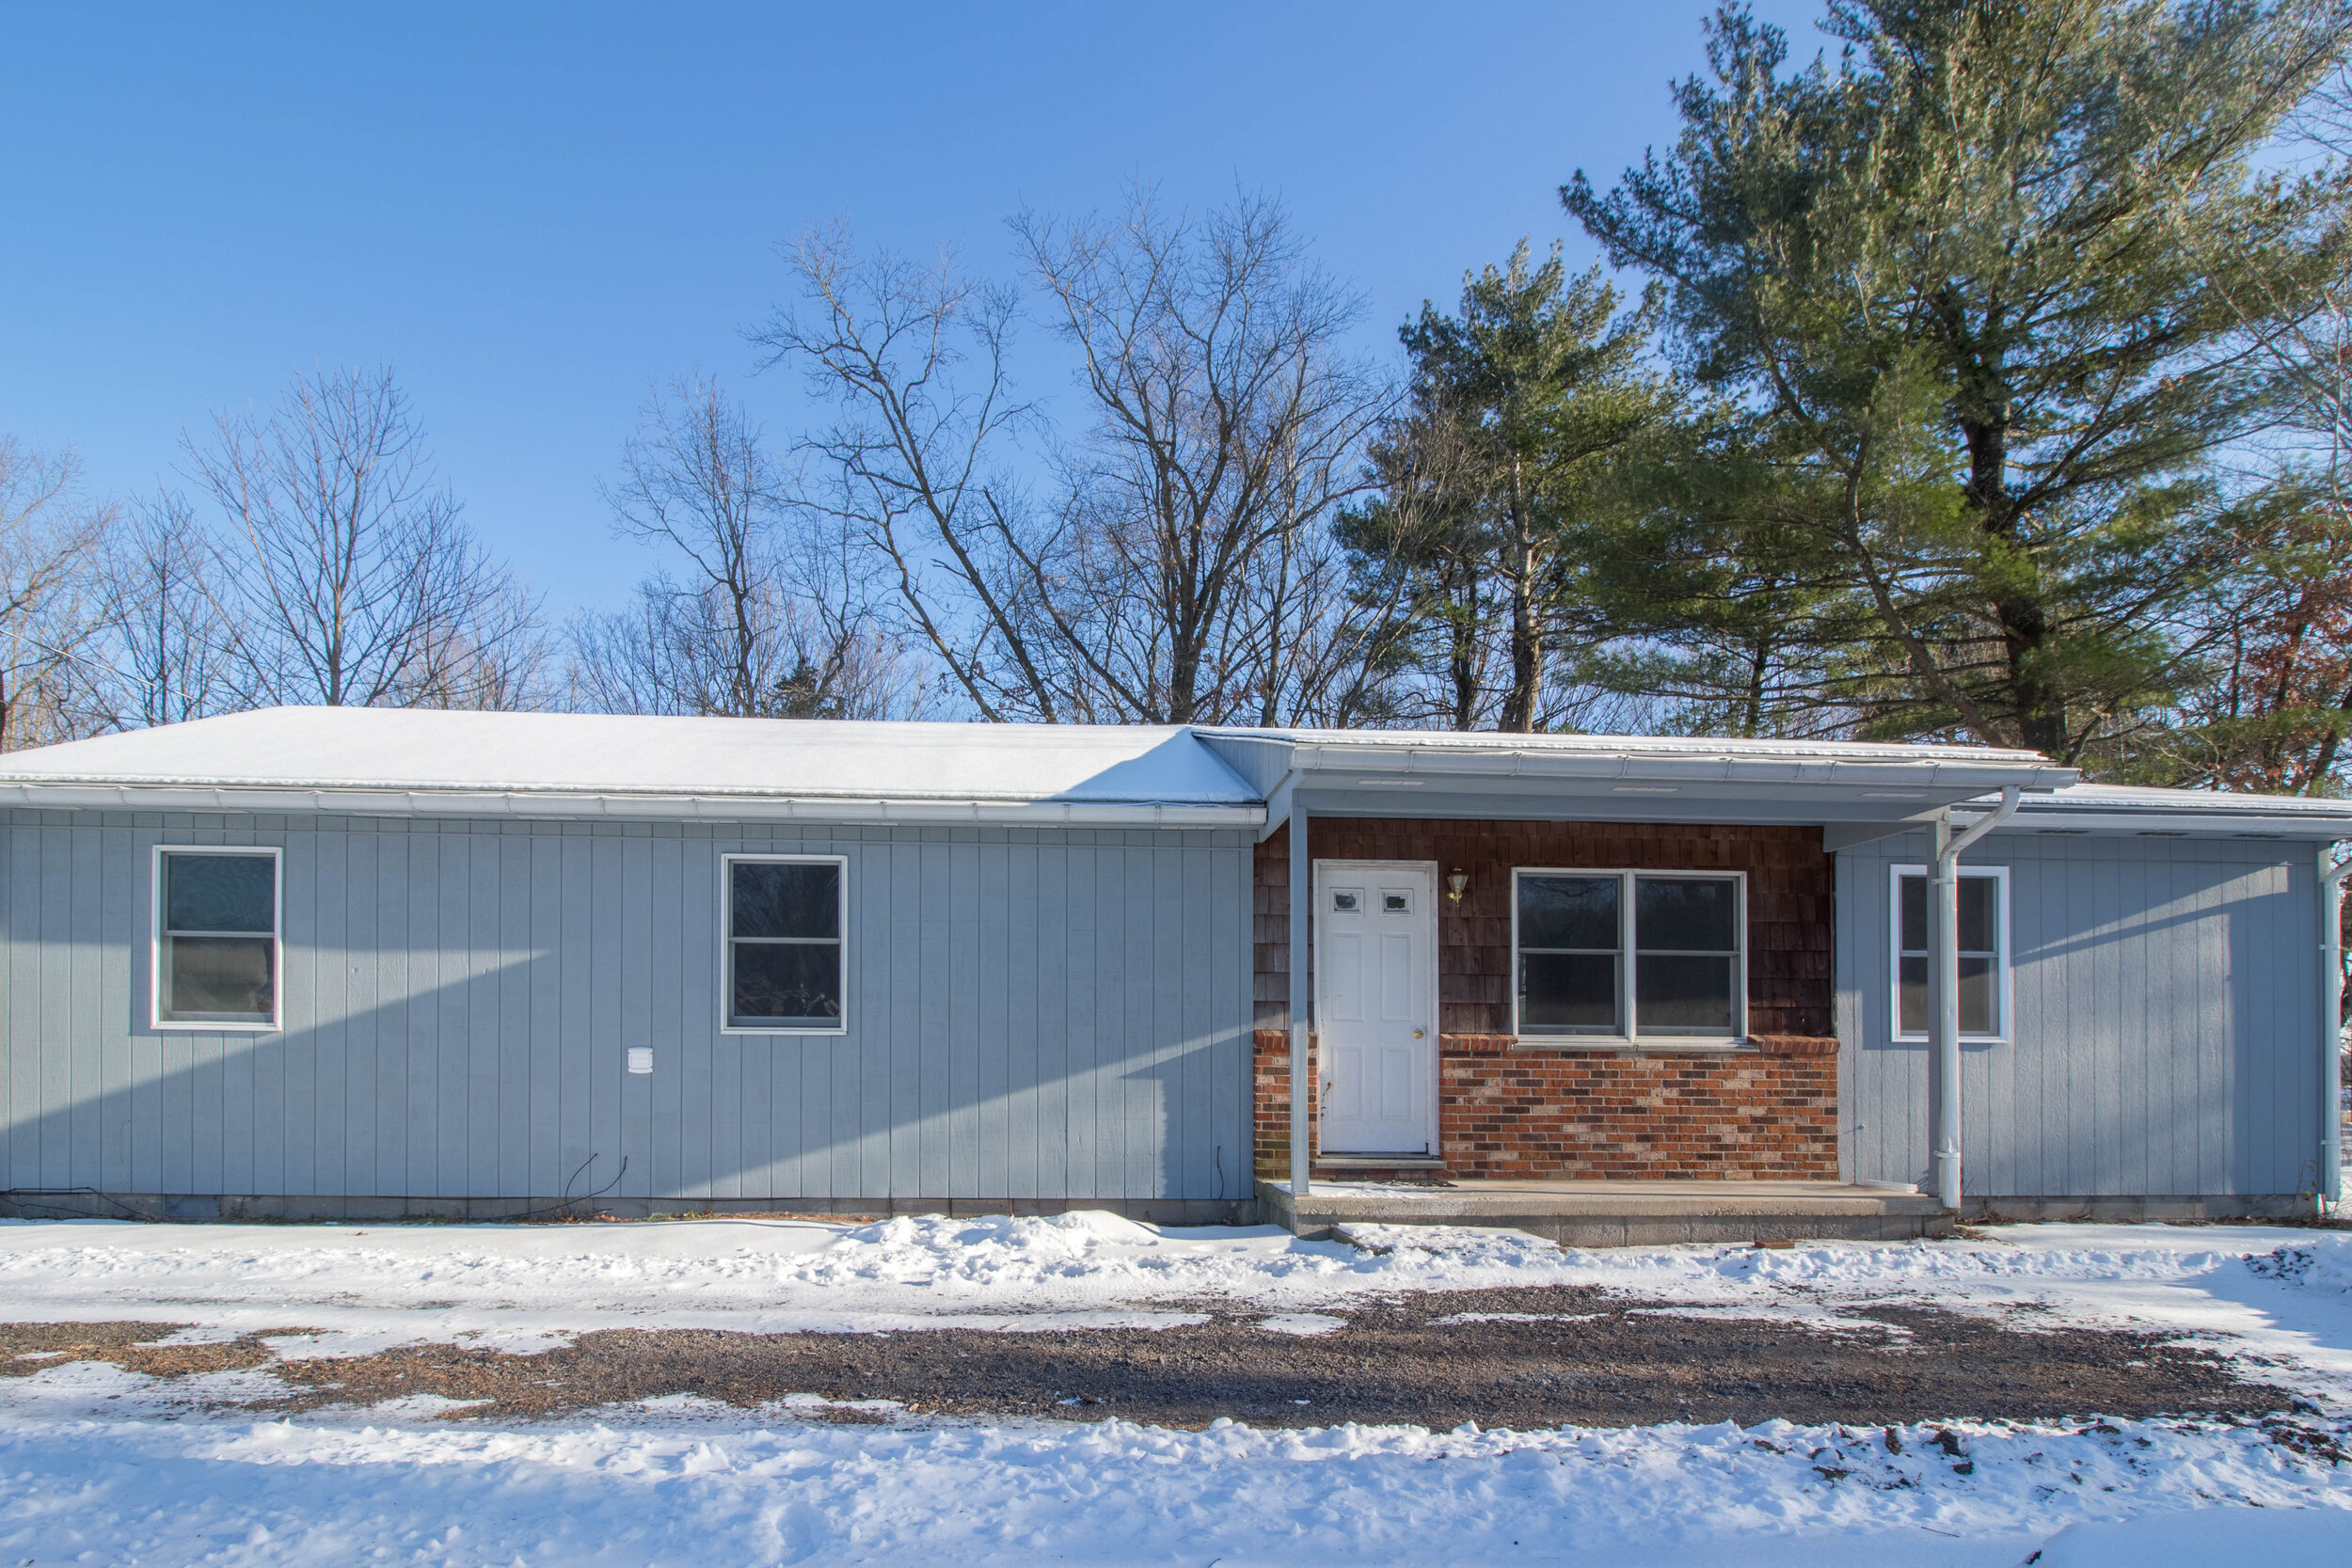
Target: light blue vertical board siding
(424,1065)
(88,1163)
(2165,1022)
(1034,1015)
(1021,1017)
(1082,1019)
(1053,1017)
(364,974)
(906,958)
(992,1055)
(577,1066)
(56,909)
(22,1077)
(869,985)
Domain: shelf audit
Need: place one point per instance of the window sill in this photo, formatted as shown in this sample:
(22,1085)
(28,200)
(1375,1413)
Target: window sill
(1965,1039)
(182,1026)
(1621,1046)
(800,1034)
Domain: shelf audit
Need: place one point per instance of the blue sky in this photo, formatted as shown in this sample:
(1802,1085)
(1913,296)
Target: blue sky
(536,213)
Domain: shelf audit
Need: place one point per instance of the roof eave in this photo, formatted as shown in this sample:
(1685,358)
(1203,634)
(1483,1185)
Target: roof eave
(571,805)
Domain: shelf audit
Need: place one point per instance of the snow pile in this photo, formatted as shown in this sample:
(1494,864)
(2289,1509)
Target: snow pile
(2321,1263)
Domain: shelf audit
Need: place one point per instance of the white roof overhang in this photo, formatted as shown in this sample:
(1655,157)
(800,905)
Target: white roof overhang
(746,806)
(1581,778)
(2115,809)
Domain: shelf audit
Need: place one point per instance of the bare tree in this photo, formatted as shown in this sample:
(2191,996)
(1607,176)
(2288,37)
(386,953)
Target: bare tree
(1182,567)
(344,572)
(1228,427)
(49,617)
(915,359)
(772,619)
(166,635)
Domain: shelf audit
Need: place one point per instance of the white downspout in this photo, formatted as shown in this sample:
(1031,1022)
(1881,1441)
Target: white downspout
(1302,1002)
(2331,875)
(1944,986)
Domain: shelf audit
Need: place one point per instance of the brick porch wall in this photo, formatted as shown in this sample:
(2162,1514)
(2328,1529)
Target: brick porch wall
(1511,1110)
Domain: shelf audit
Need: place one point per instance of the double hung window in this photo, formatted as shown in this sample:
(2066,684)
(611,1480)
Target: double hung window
(783,919)
(1984,952)
(216,957)
(1623,955)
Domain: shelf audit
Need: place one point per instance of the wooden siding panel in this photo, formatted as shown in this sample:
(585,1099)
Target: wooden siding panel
(2164,1028)
(1038,1016)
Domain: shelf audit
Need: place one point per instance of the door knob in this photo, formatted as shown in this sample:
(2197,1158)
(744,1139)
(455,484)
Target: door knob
(1417,1034)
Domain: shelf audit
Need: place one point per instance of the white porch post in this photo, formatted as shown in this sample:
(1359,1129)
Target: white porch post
(1944,985)
(1302,1003)
(2330,1175)
(1944,1011)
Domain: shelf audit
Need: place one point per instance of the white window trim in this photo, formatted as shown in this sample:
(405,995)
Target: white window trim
(1894,875)
(155,1018)
(1633,1037)
(726,943)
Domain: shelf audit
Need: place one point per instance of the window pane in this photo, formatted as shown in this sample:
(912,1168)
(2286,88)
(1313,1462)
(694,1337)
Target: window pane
(1978,1014)
(1911,990)
(219,893)
(1980,996)
(786,982)
(1914,900)
(1572,994)
(222,978)
(1979,914)
(1682,995)
(772,900)
(1684,914)
(1569,911)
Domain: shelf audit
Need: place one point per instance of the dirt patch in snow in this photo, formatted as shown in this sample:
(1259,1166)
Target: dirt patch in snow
(1521,1359)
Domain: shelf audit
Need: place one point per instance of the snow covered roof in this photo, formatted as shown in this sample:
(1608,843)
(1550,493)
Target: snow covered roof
(403,760)
(400,761)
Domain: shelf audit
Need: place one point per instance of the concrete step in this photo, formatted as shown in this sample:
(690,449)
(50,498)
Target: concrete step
(1618,1214)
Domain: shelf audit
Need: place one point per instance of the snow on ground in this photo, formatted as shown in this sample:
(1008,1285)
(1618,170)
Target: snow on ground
(96,1465)
(689,1487)
(2273,1292)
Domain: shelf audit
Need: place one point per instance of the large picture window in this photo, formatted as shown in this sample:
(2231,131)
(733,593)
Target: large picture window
(1984,952)
(783,919)
(1620,955)
(216,959)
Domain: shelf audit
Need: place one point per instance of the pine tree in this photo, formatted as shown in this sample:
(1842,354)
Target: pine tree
(1537,391)
(1979,290)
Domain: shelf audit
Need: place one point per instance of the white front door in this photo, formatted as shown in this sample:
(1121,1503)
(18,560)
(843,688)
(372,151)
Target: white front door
(1376,1005)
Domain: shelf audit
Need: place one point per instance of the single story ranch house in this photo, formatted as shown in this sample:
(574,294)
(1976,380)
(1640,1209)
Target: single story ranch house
(342,963)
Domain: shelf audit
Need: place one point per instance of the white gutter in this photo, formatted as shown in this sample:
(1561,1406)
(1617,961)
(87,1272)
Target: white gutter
(1891,766)
(716,806)
(1944,986)
(2331,875)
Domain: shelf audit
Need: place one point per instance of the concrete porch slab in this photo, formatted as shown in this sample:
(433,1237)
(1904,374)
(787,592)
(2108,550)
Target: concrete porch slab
(1617,1213)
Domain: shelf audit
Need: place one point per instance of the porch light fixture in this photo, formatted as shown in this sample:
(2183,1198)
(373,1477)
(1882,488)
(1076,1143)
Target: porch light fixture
(1456,883)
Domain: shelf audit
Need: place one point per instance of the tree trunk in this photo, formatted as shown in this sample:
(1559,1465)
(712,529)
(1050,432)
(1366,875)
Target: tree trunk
(1518,704)
(2019,611)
